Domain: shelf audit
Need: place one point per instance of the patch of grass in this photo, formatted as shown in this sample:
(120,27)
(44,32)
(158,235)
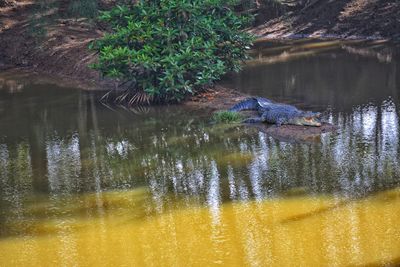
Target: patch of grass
(37,27)
(226,116)
(44,12)
(83,8)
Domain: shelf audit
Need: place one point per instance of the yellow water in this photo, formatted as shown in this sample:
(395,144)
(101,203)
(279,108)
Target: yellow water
(292,231)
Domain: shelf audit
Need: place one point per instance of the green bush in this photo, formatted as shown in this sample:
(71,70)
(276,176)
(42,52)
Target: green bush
(165,49)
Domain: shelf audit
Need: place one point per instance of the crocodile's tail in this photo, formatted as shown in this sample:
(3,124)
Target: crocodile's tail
(248,104)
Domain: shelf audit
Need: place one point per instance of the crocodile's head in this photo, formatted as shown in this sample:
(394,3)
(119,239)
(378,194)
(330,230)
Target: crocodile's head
(308,118)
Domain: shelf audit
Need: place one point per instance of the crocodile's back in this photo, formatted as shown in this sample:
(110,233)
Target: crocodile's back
(251,104)
(288,110)
(280,112)
(248,104)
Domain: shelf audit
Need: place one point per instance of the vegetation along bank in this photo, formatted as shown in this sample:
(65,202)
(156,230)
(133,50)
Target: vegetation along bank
(167,50)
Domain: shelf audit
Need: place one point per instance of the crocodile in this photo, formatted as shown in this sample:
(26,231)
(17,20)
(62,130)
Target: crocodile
(276,113)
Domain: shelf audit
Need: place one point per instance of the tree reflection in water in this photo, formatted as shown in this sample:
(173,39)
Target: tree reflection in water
(65,142)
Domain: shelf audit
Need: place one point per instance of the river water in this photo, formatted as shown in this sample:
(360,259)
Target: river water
(84,184)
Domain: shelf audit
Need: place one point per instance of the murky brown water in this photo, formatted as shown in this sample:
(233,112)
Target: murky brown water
(82,184)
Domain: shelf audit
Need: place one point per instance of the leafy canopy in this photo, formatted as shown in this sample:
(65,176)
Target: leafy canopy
(166,49)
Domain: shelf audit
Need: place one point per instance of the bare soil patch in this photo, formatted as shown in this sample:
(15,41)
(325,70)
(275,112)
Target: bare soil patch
(213,99)
(356,19)
(294,133)
(58,48)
